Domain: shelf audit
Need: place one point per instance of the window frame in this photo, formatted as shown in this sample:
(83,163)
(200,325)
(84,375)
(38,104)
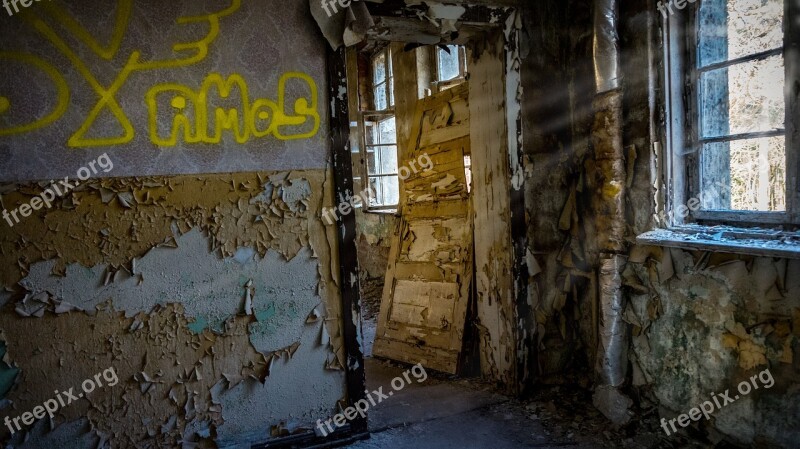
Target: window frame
(438,85)
(375,116)
(372,114)
(682,118)
(388,68)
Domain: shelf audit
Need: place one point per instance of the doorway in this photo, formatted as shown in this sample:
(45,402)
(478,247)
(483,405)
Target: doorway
(422,314)
(470,309)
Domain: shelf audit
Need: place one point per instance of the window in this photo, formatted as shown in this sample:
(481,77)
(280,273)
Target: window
(450,65)
(383,80)
(381,148)
(379,131)
(728,114)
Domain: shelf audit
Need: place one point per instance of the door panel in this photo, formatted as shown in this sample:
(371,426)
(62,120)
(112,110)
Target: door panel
(424,304)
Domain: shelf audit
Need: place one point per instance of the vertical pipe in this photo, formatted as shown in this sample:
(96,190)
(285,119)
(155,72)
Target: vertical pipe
(611,364)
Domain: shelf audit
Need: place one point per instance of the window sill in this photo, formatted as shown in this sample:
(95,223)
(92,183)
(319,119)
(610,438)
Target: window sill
(753,242)
(381,211)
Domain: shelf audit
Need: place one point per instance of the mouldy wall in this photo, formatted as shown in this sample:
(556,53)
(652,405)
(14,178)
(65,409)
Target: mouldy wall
(374,239)
(701,321)
(373,242)
(704,322)
(214,297)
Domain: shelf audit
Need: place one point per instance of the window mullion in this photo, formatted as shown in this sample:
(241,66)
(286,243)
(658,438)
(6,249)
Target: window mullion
(754,57)
(745,136)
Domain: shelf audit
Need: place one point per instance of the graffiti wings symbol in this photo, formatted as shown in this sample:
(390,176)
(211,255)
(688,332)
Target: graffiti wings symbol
(51,16)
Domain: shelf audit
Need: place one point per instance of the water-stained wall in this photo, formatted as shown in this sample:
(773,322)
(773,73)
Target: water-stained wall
(700,322)
(194,266)
(210,307)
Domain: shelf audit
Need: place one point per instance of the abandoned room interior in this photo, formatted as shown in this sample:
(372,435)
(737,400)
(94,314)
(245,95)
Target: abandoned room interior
(400,224)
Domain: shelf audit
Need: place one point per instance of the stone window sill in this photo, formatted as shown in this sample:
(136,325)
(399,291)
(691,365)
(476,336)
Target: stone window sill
(754,242)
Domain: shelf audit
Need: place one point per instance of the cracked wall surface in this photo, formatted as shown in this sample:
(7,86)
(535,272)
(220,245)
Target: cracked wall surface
(704,324)
(220,312)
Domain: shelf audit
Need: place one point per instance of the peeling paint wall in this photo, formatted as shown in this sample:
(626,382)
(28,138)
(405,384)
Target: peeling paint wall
(703,323)
(220,313)
(491,187)
(198,267)
(700,322)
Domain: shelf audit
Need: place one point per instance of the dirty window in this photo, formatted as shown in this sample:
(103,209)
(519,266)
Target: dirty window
(739,81)
(378,131)
(381,160)
(382,80)
(450,62)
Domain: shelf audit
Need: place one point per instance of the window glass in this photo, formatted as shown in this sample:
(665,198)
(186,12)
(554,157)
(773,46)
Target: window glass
(381,100)
(449,65)
(379,68)
(743,98)
(380,137)
(742,110)
(388,130)
(755,178)
(381,160)
(387,191)
(735,28)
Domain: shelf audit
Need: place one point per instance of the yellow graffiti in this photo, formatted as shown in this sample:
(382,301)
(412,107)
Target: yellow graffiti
(62,94)
(190,53)
(260,118)
(62,16)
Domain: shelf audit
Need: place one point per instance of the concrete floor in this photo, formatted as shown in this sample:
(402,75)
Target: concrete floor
(444,412)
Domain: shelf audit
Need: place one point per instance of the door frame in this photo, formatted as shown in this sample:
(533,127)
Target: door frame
(523,325)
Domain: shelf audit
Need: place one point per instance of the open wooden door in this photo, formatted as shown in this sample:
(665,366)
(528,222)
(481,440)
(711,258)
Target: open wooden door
(428,282)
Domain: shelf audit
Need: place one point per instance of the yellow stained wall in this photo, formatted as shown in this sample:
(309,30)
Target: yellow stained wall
(166,372)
